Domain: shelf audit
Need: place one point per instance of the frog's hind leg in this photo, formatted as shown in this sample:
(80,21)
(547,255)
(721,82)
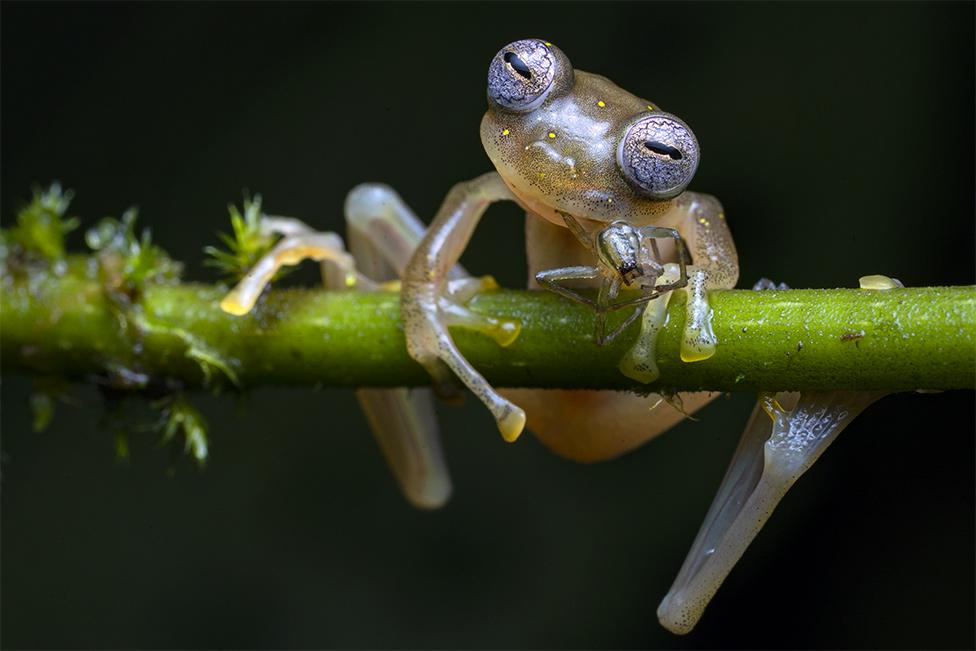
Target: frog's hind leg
(383,232)
(784,437)
(786,434)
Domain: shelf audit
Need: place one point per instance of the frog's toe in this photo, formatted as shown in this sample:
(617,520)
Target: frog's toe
(640,363)
(503,331)
(430,343)
(698,341)
(777,446)
(766,283)
(453,308)
(292,249)
(879,282)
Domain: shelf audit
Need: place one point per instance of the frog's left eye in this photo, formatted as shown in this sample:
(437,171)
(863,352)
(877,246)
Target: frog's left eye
(522,73)
(658,154)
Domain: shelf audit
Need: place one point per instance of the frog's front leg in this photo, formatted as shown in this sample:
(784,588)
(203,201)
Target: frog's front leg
(715,266)
(425,290)
(701,222)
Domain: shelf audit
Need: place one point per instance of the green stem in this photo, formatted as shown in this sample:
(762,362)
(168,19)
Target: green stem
(903,339)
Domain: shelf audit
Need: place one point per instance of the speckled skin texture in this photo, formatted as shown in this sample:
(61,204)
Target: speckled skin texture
(555,136)
(558,152)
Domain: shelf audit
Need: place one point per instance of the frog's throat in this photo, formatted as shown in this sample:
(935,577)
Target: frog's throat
(542,209)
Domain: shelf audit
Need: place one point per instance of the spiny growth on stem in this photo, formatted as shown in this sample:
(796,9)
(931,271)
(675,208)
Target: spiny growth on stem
(246,243)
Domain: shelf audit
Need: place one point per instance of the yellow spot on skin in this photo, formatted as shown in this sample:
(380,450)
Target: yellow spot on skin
(547,43)
(551,135)
(703,221)
(601,103)
(650,108)
(505,132)
(609,199)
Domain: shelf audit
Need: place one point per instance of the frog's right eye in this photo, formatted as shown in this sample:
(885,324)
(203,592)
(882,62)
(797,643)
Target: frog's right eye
(522,73)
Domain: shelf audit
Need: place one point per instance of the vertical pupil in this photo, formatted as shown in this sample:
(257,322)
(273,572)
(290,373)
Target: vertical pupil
(517,64)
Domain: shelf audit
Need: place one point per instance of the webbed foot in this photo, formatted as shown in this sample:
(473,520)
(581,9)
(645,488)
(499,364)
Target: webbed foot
(453,306)
(785,436)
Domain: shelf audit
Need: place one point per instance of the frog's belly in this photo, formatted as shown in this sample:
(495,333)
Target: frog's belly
(586,425)
(589,426)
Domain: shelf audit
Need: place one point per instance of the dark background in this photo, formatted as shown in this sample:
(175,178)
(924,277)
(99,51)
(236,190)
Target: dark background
(839,138)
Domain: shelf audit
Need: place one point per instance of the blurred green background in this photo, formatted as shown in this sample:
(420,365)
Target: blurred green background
(839,138)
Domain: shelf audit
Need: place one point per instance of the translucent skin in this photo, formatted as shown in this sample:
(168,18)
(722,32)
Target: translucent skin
(562,155)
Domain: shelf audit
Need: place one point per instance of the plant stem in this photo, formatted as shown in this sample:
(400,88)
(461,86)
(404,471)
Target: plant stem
(67,325)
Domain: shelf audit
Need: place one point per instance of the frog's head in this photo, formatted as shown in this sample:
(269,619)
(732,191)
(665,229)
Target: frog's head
(572,141)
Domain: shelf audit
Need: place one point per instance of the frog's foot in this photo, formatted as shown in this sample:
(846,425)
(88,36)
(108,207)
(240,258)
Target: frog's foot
(766,283)
(429,342)
(786,434)
(453,306)
(879,282)
(640,361)
(299,242)
(778,446)
(698,341)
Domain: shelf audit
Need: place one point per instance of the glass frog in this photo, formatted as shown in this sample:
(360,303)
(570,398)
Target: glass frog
(600,173)
(577,152)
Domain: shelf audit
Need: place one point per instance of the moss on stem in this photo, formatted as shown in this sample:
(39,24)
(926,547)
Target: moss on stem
(66,324)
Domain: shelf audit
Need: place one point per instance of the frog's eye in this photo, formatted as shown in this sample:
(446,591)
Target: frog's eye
(522,73)
(658,154)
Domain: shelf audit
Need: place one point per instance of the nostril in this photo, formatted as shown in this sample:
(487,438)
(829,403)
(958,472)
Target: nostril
(663,150)
(517,64)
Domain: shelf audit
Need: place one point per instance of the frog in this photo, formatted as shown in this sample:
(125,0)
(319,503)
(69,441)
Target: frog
(602,175)
(566,142)
(577,153)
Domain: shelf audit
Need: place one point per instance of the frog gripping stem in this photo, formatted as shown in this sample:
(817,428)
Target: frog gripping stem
(428,308)
(778,446)
(785,436)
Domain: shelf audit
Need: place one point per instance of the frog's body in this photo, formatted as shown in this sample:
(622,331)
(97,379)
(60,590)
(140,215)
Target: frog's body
(557,138)
(574,150)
